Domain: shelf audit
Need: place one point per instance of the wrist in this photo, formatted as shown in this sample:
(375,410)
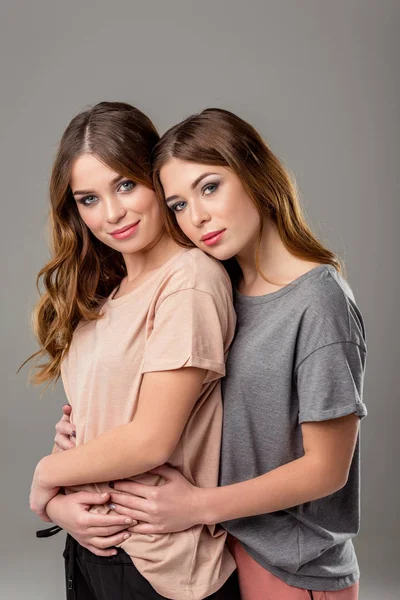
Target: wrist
(41,478)
(205,509)
(53,506)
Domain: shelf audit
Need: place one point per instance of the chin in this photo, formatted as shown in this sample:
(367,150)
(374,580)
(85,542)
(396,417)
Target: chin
(219,253)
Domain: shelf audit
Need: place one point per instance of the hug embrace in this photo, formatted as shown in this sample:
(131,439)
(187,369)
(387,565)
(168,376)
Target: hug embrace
(213,357)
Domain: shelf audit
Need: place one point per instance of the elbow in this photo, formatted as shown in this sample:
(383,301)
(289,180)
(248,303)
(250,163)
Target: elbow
(333,483)
(156,453)
(327,478)
(340,482)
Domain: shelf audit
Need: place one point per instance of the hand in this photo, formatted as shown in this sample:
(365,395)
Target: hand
(97,533)
(174,506)
(65,430)
(40,496)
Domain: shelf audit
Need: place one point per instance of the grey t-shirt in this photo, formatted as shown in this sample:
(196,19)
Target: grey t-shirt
(298,355)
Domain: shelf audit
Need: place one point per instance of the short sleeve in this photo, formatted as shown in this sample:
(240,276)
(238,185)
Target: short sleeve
(189,330)
(330,382)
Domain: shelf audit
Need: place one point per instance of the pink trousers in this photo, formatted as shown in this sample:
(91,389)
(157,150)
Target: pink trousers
(256,583)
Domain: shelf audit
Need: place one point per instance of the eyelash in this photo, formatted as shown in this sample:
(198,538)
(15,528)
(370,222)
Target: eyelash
(203,189)
(83,200)
(210,184)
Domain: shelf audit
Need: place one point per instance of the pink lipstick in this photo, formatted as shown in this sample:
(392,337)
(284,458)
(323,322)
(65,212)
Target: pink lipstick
(125,232)
(213,237)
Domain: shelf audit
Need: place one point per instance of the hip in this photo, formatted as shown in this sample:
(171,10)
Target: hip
(255,579)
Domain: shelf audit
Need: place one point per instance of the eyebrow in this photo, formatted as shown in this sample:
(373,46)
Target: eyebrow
(193,186)
(82,192)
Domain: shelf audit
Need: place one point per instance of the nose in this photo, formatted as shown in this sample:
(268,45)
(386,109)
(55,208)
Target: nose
(198,214)
(114,210)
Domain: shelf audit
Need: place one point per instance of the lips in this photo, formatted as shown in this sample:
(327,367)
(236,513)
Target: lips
(124,228)
(208,236)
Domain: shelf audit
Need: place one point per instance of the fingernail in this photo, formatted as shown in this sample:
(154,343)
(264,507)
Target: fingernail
(73,434)
(104,495)
(128,520)
(126,536)
(114,553)
(112,506)
(111,484)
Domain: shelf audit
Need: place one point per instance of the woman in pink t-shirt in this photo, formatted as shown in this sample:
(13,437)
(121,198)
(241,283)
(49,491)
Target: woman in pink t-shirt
(138,328)
(292,395)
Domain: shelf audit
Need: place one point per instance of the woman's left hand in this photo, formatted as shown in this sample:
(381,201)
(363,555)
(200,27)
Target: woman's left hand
(40,496)
(174,506)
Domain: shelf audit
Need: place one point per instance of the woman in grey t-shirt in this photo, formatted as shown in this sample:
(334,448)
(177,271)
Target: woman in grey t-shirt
(289,493)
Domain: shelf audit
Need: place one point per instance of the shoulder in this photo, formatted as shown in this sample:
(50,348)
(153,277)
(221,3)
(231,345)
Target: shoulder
(329,310)
(196,289)
(195,270)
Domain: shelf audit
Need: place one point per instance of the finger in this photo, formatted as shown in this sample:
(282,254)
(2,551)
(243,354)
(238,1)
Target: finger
(92,498)
(98,552)
(65,428)
(110,520)
(166,472)
(146,528)
(135,515)
(107,531)
(133,488)
(129,501)
(67,411)
(63,442)
(113,540)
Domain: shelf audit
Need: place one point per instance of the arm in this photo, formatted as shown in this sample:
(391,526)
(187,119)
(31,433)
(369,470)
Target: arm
(328,451)
(63,440)
(97,533)
(323,470)
(165,403)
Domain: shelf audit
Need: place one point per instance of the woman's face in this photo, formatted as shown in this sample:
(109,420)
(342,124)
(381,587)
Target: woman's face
(121,213)
(211,207)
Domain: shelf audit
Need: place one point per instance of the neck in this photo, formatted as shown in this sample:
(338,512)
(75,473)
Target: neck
(151,257)
(278,265)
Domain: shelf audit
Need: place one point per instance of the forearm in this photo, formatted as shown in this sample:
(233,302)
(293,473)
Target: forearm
(294,483)
(116,454)
(165,404)
(51,507)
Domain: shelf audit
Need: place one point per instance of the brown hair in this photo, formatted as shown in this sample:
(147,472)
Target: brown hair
(83,271)
(220,138)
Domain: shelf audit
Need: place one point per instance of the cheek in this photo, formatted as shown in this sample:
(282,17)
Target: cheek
(185,224)
(242,213)
(147,205)
(91,218)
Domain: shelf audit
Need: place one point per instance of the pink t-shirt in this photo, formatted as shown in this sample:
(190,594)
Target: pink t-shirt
(182,315)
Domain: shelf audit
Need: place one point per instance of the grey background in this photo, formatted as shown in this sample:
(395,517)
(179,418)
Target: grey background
(319,79)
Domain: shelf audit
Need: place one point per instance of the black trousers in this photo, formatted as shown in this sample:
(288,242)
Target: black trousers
(91,577)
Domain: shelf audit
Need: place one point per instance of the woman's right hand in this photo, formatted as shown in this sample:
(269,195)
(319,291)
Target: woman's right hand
(65,430)
(97,533)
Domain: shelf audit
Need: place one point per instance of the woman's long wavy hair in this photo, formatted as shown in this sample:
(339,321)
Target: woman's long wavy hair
(83,271)
(220,138)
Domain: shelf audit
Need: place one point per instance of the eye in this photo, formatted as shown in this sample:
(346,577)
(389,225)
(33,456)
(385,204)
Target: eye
(127,186)
(209,188)
(178,206)
(88,200)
